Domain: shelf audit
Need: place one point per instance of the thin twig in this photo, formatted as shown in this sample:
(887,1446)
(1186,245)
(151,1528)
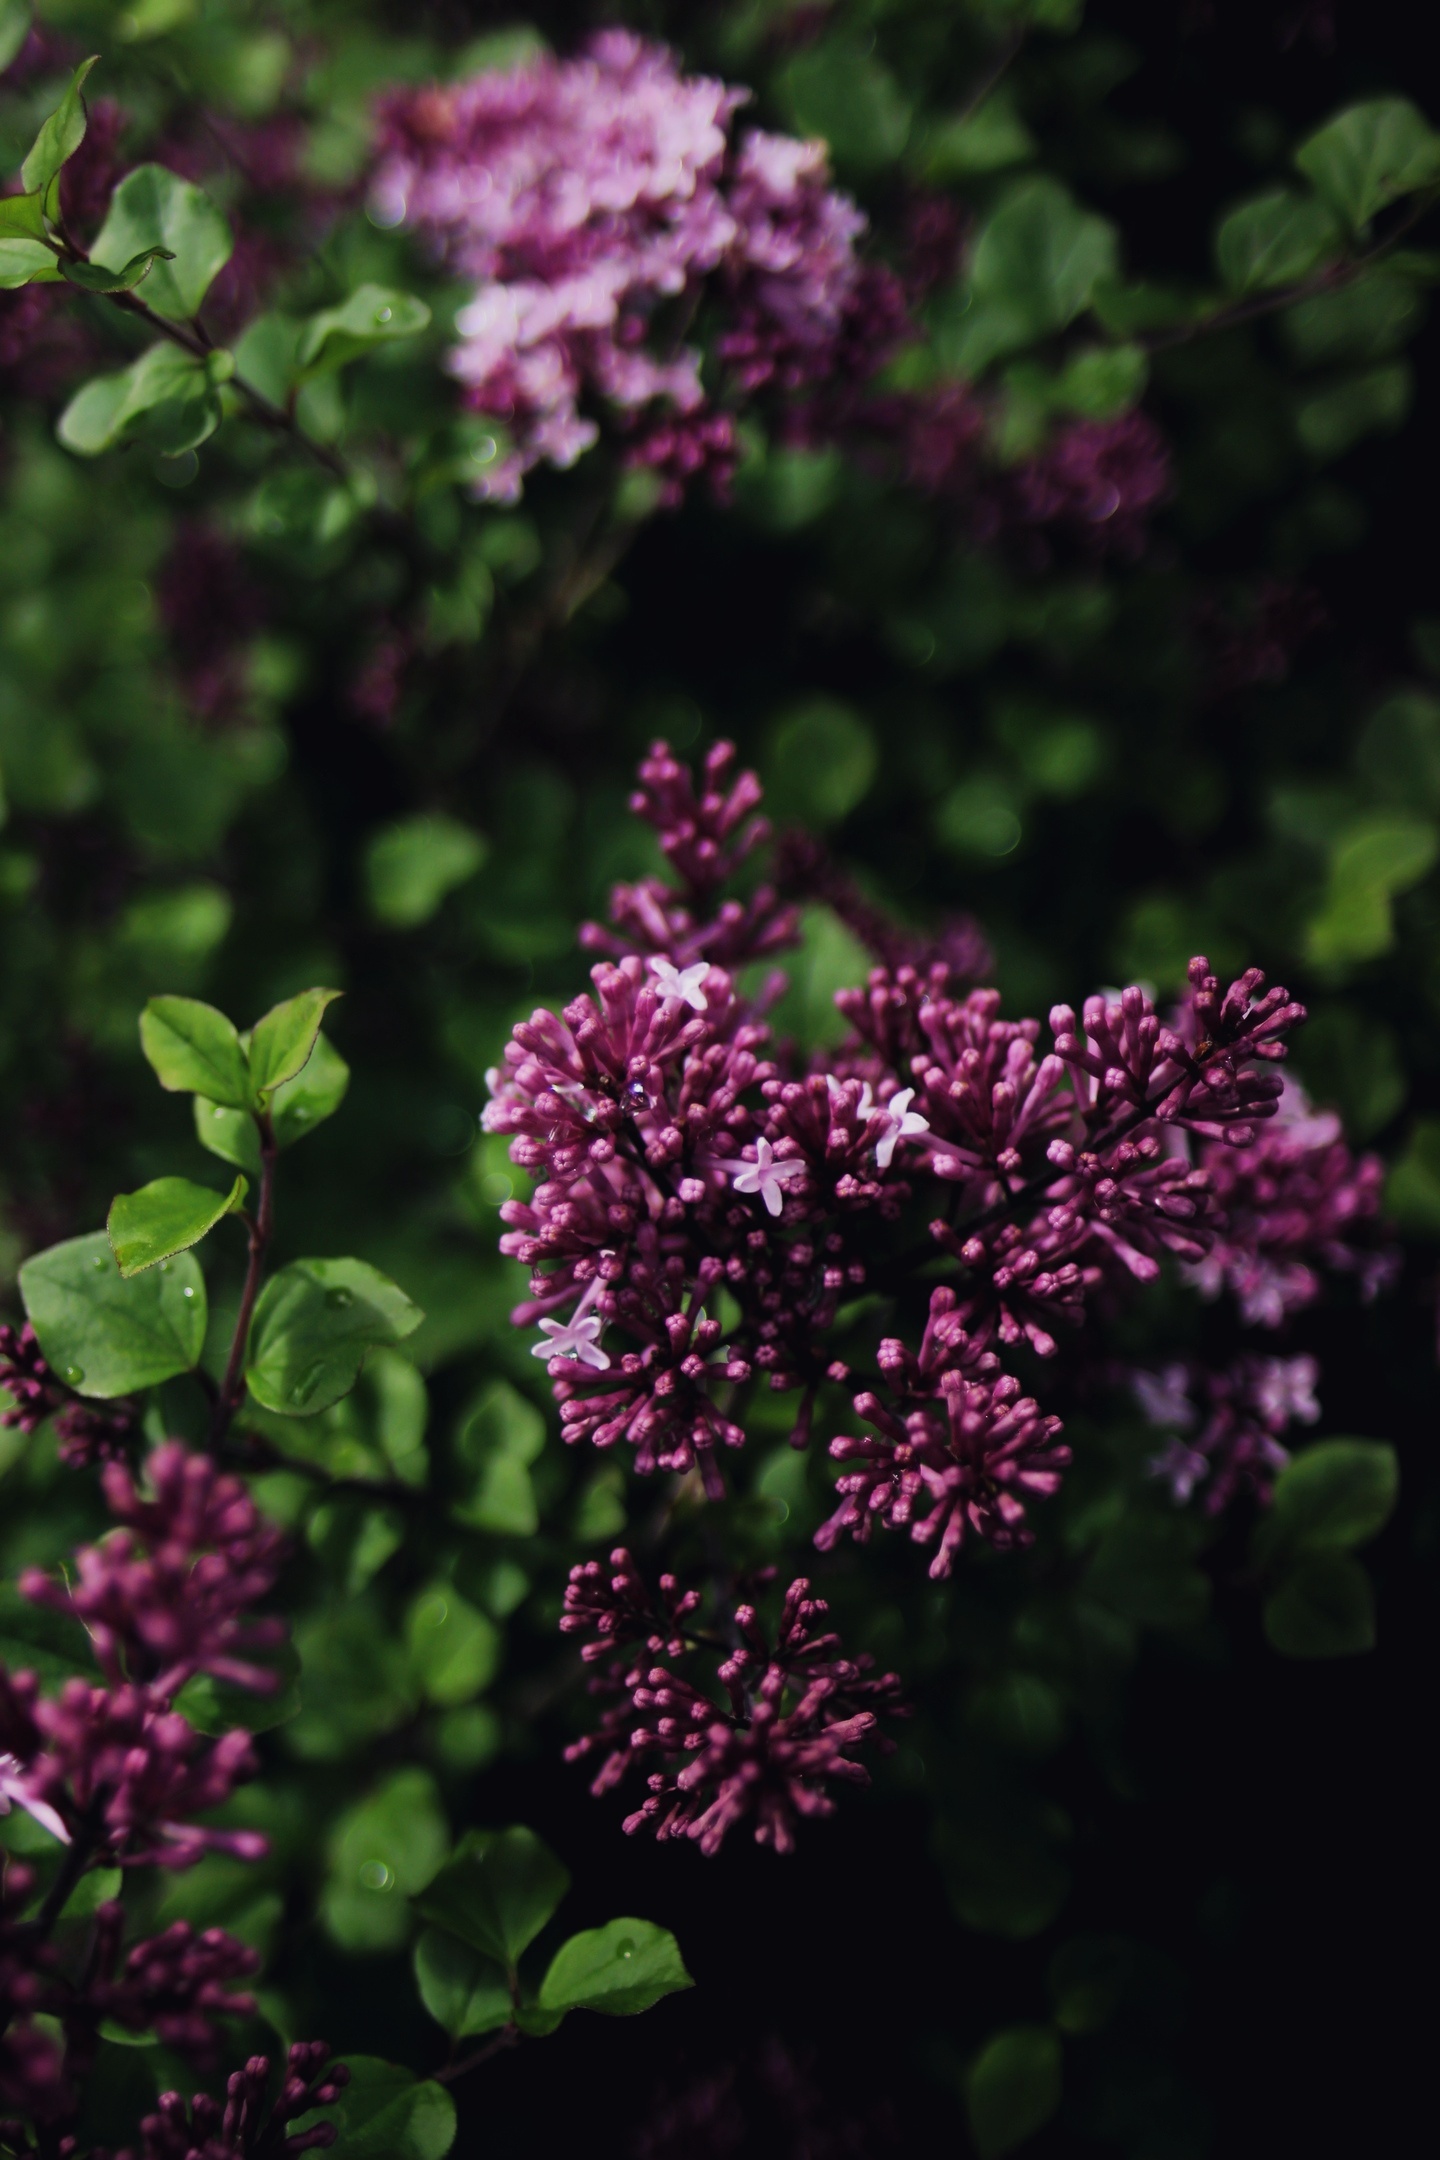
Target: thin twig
(510,2036)
(262,1229)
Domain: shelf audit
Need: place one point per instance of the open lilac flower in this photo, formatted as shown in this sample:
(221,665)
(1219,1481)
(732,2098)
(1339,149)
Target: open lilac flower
(767,1175)
(16,1791)
(686,984)
(900,1123)
(579,1336)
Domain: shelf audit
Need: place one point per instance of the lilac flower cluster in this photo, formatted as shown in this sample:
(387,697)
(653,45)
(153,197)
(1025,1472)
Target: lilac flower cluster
(1293,1203)
(792,1714)
(1226,1425)
(595,203)
(243,2127)
(85,1432)
(707,1202)
(117,1775)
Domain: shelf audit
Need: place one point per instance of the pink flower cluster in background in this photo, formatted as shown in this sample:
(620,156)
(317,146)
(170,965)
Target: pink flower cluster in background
(593,203)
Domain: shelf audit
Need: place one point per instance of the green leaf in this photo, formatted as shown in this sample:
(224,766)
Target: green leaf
(214,1706)
(166,396)
(497,1892)
(314,1323)
(464,1991)
(411,866)
(1323,1608)
(232,1135)
(619,1969)
(1350,407)
(296,1108)
(61,135)
(92,277)
(497,1441)
(372,316)
(1412,1191)
(16,17)
(21,218)
(106,1336)
(1013,2088)
(1034,268)
(1369,155)
(837,90)
(1371,862)
(281,1043)
(979,142)
(1335,1494)
(454,1649)
(1088,1978)
(388,2113)
(195,1049)
(24,261)
(315,1093)
(265,355)
(153,210)
(1144,1569)
(820,762)
(53,1645)
(164,1217)
(380,1853)
(1273,240)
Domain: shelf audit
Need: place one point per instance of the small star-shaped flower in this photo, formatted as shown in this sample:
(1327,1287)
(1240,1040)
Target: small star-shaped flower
(682,983)
(901,1123)
(766,1175)
(577,1338)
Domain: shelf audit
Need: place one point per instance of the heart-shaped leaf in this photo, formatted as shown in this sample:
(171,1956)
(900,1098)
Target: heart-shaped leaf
(108,1336)
(314,1323)
(497,1892)
(153,210)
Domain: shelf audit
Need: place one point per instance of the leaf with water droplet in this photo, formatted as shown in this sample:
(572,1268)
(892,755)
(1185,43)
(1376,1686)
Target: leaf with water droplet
(315,1323)
(147,1228)
(619,1969)
(120,1334)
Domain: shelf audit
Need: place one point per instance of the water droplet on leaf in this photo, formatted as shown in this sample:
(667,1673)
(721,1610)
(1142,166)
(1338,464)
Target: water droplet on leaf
(382,314)
(375,1875)
(188,1291)
(167,1267)
(100,1262)
(339,1299)
(74,1374)
(625,1948)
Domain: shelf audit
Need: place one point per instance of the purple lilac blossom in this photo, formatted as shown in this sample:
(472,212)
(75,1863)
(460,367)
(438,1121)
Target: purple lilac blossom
(85,1432)
(1294,1202)
(790,1717)
(1225,1426)
(592,203)
(167,1595)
